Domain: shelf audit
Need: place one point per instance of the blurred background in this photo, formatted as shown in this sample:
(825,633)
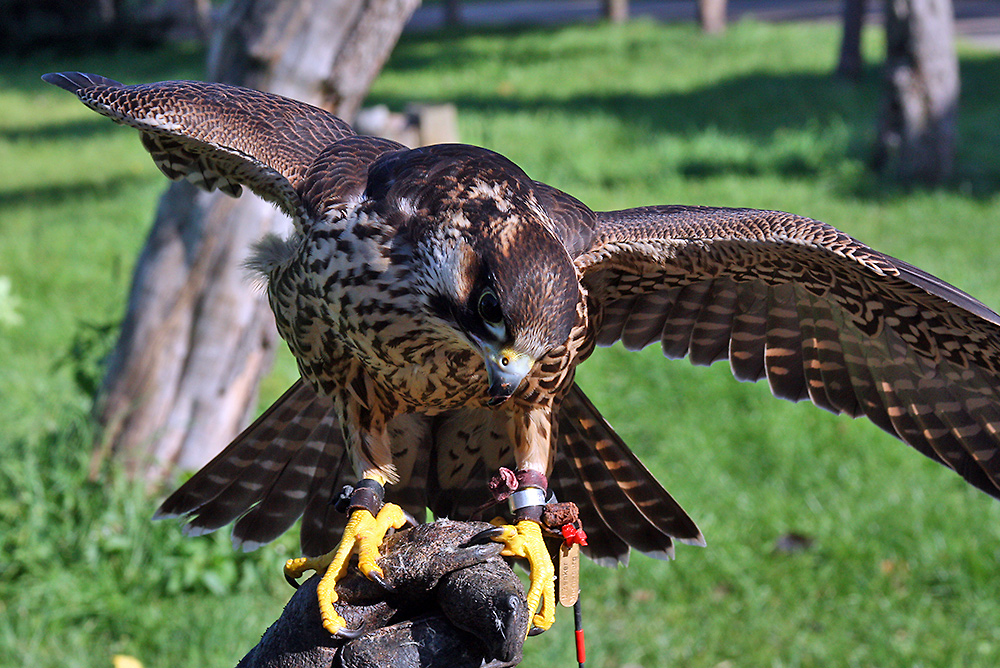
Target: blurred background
(829,542)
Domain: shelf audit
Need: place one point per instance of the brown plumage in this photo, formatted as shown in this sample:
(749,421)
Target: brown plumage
(411,272)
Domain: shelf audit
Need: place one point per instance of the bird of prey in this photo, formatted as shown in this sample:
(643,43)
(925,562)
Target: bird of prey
(438,301)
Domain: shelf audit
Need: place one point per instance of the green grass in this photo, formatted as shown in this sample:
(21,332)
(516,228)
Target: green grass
(904,557)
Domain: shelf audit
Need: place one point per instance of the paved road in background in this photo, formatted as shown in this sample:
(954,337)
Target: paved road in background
(976,21)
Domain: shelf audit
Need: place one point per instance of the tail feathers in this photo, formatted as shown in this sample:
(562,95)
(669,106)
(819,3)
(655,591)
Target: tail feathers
(467,448)
(625,495)
(287,497)
(322,524)
(291,462)
(603,544)
(267,465)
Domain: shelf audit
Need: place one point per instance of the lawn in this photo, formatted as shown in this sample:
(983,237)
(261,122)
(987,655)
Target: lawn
(902,556)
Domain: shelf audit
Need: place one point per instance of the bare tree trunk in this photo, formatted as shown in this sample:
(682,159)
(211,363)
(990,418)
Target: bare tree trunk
(452,13)
(615,11)
(197,336)
(850,45)
(917,136)
(179,19)
(712,16)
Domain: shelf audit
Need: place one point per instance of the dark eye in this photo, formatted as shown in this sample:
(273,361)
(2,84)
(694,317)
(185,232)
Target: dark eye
(489,309)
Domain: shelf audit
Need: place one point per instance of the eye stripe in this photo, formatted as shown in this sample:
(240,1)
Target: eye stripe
(441,306)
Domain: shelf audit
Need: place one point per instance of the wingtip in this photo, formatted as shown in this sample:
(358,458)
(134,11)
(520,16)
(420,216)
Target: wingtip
(62,80)
(244,545)
(161,514)
(697,541)
(74,82)
(666,554)
(611,561)
(193,530)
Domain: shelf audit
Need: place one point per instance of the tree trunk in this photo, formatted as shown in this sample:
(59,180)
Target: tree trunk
(615,11)
(197,336)
(918,129)
(850,45)
(452,13)
(712,16)
(181,19)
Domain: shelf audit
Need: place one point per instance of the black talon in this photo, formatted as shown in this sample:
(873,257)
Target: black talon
(481,552)
(380,581)
(292,581)
(349,634)
(536,630)
(483,537)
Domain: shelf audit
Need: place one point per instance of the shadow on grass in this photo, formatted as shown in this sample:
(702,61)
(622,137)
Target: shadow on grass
(70,130)
(762,108)
(54,194)
(130,65)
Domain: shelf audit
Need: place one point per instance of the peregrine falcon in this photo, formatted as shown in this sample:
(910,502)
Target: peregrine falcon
(438,300)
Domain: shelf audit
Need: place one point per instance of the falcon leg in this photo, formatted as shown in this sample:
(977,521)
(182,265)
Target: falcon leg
(366,528)
(524,539)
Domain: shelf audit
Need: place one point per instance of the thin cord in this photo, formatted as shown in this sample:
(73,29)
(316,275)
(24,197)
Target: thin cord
(581,651)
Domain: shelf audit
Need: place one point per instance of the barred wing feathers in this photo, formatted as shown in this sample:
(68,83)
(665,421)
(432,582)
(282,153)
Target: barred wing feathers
(290,463)
(621,504)
(218,136)
(618,493)
(286,463)
(820,315)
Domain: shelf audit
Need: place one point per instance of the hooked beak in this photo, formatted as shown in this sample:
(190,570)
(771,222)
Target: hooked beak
(505,369)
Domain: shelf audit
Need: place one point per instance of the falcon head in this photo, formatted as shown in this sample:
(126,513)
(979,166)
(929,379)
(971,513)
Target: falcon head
(484,260)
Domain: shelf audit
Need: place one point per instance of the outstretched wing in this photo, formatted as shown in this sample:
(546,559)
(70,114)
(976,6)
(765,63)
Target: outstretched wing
(218,136)
(819,314)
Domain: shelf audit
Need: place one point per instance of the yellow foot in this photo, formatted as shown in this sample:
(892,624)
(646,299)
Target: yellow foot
(525,540)
(363,534)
